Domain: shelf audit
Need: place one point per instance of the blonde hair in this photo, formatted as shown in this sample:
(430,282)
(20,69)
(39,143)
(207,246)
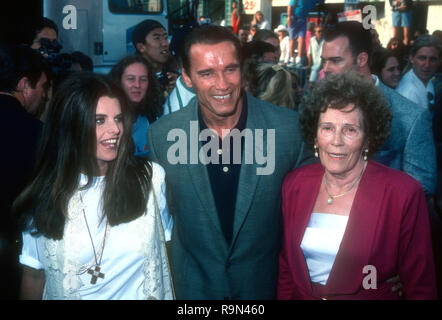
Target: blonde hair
(275,85)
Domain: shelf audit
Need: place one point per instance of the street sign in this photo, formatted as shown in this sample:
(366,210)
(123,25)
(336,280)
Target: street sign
(251,6)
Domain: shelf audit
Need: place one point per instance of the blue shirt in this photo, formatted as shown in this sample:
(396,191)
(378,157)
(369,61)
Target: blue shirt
(303,7)
(139,132)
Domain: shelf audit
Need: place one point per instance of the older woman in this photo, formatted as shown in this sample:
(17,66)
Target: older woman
(94,213)
(136,77)
(386,66)
(351,224)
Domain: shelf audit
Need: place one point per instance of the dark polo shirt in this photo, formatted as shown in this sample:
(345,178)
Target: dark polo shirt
(224,178)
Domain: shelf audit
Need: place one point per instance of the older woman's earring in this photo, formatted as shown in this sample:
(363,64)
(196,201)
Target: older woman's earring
(316,151)
(365,154)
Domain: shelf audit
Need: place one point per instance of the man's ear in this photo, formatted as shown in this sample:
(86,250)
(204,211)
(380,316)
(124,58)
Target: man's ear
(140,47)
(186,79)
(22,85)
(362,59)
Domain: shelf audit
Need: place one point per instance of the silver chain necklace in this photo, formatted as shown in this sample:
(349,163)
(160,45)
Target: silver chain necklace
(94,269)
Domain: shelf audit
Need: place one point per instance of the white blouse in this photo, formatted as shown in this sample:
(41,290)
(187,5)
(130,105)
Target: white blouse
(321,242)
(133,260)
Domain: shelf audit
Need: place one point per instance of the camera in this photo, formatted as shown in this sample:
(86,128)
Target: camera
(50,48)
(60,63)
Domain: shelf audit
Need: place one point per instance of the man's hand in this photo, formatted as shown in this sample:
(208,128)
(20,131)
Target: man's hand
(172,76)
(397,285)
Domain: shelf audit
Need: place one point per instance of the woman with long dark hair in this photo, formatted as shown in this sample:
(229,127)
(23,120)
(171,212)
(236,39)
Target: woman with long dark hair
(137,78)
(386,66)
(93,215)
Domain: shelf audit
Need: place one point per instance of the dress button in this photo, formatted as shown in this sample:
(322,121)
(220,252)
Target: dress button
(226,169)
(220,151)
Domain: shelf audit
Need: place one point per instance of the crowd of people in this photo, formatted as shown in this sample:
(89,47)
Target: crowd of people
(171,176)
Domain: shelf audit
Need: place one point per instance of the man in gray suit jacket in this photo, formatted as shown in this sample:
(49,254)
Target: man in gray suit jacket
(225,157)
(410,147)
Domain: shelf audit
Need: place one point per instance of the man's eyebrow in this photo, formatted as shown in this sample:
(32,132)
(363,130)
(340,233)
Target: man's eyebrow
(159,33)
(204,71)
(232,65)
(331,58)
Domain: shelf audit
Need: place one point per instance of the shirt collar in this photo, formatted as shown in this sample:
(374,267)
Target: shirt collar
(415,78)
(376,80)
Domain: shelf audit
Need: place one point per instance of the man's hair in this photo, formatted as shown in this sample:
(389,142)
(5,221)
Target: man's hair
(263,35)
(359,38)
(256,50)
(35,26)
(18,61)
(425,40)
(83,60)
(142,30)
(208,34)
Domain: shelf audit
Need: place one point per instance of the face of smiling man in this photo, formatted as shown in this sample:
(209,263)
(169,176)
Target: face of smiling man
(215,76)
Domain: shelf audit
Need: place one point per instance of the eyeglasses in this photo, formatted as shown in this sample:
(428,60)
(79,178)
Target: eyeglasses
(349,131)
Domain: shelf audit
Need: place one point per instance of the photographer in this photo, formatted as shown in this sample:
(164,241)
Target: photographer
(40,34)
(150,40)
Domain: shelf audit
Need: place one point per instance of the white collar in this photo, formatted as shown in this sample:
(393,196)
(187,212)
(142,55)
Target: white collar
(414,77)
(376,79)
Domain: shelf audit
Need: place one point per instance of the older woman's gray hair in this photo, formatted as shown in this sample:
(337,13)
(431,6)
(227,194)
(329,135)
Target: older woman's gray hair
(339,91)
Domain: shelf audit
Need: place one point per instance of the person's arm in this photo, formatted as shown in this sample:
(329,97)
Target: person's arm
(419,159)
(415,254)
(32,284)
(285,285)
(309,56)
(172,76)
(151,155)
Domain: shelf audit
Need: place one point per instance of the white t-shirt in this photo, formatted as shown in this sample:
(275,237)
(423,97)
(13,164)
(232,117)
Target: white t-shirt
(315,49)
(285,52)
(133,258)
(265,25)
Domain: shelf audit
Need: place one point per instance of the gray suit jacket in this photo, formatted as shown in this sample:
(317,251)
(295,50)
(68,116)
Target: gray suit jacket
(204,266)
(410,147)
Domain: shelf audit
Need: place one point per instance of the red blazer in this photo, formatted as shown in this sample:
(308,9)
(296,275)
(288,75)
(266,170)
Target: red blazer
(388,228)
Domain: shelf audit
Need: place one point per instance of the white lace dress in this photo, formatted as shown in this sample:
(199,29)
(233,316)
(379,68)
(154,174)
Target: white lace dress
(134,257)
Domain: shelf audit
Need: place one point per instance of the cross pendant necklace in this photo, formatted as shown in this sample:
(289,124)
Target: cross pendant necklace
(95,272)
